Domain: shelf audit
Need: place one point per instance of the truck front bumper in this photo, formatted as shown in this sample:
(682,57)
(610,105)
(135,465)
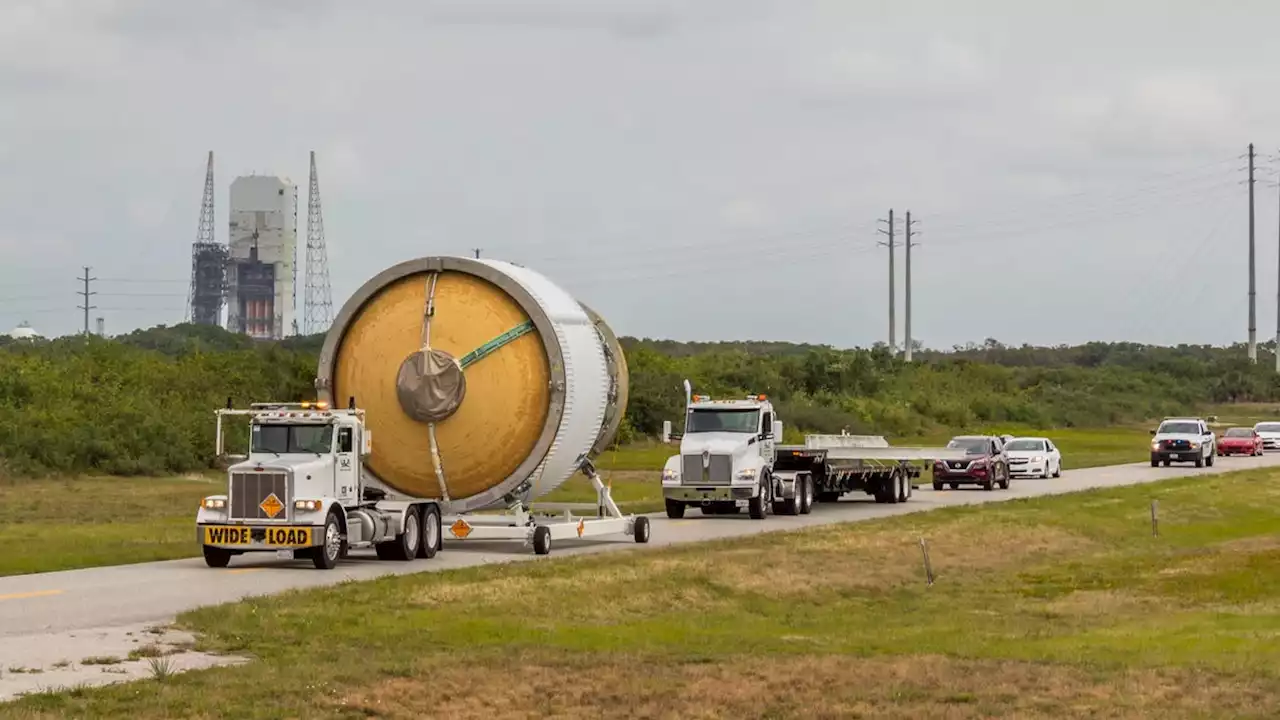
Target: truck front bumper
(259,538)
(710,494)
(1188,455)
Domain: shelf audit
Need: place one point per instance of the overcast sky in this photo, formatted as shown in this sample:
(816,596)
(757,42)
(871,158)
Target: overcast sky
(705,169)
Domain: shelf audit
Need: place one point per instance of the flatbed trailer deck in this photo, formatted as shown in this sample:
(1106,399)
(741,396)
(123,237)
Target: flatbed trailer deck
(837,464)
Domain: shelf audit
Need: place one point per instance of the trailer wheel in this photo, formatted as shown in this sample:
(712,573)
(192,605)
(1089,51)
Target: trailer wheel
(542,539)
(641,529)
(675,509)
(405,545)
(432,538)
(216,557)
(325,556)
(904,486)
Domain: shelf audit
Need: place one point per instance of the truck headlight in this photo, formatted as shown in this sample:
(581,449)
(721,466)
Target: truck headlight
(1194,445)
(669,475)
(213,503)
(308,505)
(747,474)
(1155,446)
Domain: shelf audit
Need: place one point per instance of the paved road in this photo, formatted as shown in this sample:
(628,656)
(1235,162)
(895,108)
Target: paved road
(46,617)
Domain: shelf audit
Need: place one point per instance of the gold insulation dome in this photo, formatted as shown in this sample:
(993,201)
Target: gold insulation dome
(489,419)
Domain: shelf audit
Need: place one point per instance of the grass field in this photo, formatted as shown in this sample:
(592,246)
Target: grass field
(1054,607)
(63,524)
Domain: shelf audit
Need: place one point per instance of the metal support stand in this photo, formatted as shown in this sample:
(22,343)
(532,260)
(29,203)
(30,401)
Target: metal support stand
(518,523)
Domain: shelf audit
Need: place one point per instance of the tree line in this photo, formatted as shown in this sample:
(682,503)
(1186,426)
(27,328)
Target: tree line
(143,403)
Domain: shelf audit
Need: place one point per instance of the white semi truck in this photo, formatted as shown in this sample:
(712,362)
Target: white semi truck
(300,493)
(730,458)
(486,386)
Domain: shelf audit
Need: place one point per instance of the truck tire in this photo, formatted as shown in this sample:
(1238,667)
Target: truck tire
(1200,460)
(1155,461)
(758,506)
(432,537)
(542,540)
(1209,461)
(216,557)
(405,546)
(806,499)
(675,509)
(325,555)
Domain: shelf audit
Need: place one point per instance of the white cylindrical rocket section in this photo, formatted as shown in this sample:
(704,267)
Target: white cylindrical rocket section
(481,380)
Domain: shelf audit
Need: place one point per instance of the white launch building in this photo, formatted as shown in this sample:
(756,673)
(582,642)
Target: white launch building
(262,267)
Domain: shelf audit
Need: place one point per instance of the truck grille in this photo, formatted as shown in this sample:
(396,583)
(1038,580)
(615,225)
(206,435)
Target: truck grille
(249,489)
(719,470)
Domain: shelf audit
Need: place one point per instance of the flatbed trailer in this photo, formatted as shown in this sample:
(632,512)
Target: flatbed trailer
(833,465)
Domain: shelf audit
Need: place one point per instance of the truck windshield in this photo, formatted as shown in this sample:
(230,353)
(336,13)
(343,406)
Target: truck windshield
(737,421)
(292,438)
(1179,428)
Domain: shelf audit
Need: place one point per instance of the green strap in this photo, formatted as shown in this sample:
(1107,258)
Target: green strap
(487,348)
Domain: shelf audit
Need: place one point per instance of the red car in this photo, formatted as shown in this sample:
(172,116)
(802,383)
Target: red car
(1240,441)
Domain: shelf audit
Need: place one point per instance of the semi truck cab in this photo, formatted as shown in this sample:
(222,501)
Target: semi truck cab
(300,492)
(726,457)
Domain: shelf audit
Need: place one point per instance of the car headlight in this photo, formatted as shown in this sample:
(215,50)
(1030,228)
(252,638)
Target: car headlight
(1155,445)
(1037,458)
(1194,444)
(747,474)
(307,505)
(669,475)
(213,503)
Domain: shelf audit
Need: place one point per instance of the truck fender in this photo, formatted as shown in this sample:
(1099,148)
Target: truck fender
(207,516)
(671,470)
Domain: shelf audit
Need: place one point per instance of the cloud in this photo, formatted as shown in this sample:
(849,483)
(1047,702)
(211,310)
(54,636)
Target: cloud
(638,21)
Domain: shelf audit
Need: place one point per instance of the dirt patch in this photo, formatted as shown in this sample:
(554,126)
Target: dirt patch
(806,686)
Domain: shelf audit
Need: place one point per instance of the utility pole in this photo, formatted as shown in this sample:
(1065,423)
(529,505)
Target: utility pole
(907,320)
(86,307)
(1278,311)
(476,251)
(893,347)
(1253,304)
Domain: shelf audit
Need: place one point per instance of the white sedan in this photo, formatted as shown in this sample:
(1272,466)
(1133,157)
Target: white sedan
(1033,457)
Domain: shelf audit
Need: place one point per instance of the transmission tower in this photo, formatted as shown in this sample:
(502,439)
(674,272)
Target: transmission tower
(318,313)
(208,263)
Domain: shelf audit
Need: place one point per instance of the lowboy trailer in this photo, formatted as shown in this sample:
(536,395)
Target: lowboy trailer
(832,465)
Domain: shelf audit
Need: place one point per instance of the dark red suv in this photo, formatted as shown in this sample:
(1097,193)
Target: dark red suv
(984,464)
